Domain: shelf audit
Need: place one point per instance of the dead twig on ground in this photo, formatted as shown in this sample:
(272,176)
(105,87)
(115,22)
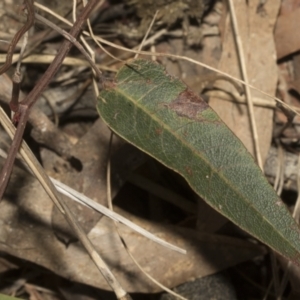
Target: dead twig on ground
(18,35)
(22,109)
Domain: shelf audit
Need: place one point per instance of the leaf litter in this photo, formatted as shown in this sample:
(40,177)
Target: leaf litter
(76,123)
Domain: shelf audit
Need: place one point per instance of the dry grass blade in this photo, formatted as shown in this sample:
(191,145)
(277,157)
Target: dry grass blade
(109,198)
(55,197)
(48,58)
(23,47)
(279,178)
(72,40)
(110,205)
(240,53)
(76,196)
(146,35)
(162,192)
(87,46)
(80,198)
(241,99)
(180,57)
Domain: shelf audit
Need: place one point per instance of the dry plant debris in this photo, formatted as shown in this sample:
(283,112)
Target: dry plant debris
(169,12)
(72,144)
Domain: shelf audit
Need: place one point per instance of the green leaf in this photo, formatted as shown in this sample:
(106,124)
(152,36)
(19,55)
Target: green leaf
(161,116)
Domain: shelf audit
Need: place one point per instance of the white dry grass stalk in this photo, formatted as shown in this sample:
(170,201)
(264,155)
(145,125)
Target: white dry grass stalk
(161,192)
(40,174)
(110,205)
(87,46)
(279,177)
(99,40)
(72,194)
(180,57)
(235,97)
(48,58)
(82,199)
(146,35)
(243,67)
(23,47)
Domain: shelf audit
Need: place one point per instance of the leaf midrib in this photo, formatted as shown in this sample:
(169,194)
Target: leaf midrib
(197,153)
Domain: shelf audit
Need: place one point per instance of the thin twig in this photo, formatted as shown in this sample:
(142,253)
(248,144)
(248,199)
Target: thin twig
(22,115)
(91,51)
(64,49)
(162,192)
(279,170)
(13,150)
(72,40)
(18,35)
(16,80)
(23,47)
(275,275)
(39,172)
(110,206)
(48,58)
(146,35)
(91,33)
(52,13)
(241,57)
(30,160)
(180,57)
(22,111)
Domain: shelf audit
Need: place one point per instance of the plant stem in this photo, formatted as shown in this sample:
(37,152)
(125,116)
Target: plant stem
(18,35)
(22,111)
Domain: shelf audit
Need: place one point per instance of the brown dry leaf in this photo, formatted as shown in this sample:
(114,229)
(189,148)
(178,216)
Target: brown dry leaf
(194,76)
(286,38)
(26,233)
(208,219)
(288,5)
(43,129)
(287,42)
(92,153)
(256,33)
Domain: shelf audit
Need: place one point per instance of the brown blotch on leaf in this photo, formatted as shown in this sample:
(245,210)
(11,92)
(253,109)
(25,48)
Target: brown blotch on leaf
(189,171)
(158,131)
(188,104)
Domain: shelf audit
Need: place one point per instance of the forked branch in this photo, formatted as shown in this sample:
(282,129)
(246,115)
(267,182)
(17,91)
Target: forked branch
(21,116)
(22,109)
